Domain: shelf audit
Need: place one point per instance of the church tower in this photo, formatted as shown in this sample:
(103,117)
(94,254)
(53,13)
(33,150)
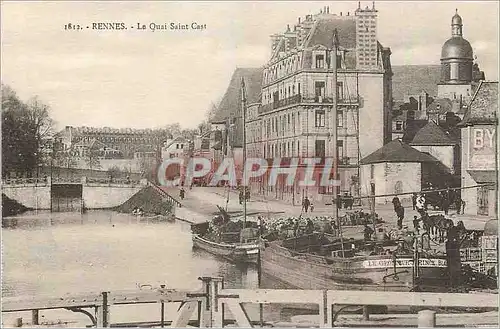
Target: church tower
(456,64)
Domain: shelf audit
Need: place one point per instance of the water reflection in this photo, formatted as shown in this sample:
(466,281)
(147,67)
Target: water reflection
(58,253)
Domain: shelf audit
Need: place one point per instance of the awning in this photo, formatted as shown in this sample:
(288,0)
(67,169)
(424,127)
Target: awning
(483,176)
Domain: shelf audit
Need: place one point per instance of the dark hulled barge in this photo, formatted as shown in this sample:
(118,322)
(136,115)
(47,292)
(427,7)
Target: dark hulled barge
(234,241)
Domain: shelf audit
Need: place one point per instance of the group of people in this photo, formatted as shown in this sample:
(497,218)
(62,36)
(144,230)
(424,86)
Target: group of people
(244,194)
(297,226)
(359,217)
(444,200)
(138,211)
(347,201)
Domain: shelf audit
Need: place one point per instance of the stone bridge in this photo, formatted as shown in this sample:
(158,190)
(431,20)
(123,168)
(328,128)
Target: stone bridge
(40,193)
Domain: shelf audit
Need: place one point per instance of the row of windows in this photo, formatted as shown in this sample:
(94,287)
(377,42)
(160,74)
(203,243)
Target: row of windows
(282,93)
(282,68)
(283,149)
(277,126)
(292,148)
(121,139)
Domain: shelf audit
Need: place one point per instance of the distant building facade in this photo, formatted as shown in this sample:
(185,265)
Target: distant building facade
(128,142)
(479,151)
(175,148)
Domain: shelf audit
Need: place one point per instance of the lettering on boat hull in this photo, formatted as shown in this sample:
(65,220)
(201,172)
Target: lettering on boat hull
(388,263)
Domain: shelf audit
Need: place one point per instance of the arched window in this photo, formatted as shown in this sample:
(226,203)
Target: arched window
(398,187)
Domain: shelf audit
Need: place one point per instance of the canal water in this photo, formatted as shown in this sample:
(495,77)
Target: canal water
(59,253)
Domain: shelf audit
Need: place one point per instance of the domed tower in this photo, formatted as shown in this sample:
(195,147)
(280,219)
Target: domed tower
(456,64)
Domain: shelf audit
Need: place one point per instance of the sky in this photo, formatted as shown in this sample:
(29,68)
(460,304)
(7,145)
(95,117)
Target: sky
(145,79)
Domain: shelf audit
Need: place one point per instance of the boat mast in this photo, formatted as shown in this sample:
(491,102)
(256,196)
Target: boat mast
(244,110)
(334,133)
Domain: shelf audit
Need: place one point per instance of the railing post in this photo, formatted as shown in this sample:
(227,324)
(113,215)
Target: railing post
(426,319)
(34,317)
(217,310)
(366,313)
(103,312)
(205,311)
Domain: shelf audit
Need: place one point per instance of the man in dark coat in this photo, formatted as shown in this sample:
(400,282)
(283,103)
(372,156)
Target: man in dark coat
(305,204)
(396,202)
(400,212)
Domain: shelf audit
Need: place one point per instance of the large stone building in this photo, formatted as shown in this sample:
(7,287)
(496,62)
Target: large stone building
(326,78)
(128,142)
(479,152)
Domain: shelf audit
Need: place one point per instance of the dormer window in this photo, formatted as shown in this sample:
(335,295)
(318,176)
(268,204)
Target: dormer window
(320,61)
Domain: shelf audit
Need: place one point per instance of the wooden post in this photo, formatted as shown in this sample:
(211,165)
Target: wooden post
(205,307)
(18,323)
(217,309)
(103,312)
(162,317)
(426,319)
(34,317)
(366,313)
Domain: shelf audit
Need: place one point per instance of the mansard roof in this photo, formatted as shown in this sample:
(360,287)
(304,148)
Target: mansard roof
(484,105)
(230,104)
(322,32)
(397,151)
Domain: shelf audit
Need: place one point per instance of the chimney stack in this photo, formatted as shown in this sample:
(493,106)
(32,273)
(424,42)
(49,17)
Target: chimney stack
(340,13)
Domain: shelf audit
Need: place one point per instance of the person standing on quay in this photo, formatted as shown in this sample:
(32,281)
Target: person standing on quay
(400,212)
(305,204)
(396,202)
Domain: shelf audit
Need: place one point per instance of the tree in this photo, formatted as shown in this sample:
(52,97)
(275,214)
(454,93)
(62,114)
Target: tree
(92,158)
(114,172)
(26,129)
(64,159)
(148,168)
(41,124)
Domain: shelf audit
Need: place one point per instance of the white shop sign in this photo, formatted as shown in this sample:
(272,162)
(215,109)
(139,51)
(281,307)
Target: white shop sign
(384,263)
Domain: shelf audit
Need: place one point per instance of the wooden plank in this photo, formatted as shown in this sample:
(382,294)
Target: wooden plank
(148,296)
(184,314)
(266,296)
(239,314)
(411,299)
(16,304)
